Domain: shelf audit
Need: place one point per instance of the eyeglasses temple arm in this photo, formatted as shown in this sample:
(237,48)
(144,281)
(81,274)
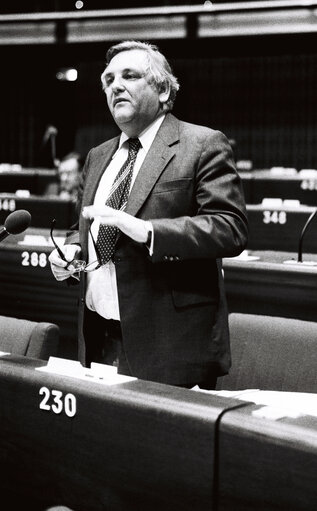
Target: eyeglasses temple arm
(60,253)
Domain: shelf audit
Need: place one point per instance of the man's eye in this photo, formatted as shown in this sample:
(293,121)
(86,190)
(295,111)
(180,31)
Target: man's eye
(131,76)
(109,80)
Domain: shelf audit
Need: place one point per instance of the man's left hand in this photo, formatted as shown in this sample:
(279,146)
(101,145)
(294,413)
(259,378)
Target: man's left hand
(135,228)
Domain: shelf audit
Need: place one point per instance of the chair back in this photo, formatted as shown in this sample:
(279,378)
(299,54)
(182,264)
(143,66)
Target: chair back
(271,353)
(28,338)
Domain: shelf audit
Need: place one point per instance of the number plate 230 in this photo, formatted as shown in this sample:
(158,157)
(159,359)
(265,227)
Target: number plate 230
(55,401)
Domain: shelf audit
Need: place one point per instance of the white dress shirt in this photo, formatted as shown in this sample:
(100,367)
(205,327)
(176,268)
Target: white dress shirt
(102,293)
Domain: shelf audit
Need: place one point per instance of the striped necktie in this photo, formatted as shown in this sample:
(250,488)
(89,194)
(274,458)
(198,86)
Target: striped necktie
(117,199)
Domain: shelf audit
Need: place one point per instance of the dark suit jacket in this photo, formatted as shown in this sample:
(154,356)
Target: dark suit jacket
(189,188)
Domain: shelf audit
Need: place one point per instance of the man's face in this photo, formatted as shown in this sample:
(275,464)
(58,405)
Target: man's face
(69,174)
(133,102)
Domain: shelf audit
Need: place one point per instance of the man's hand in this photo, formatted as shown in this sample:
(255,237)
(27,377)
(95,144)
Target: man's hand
(135,228)
(58,265)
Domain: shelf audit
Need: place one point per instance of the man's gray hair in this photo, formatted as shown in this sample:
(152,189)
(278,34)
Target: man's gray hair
(160,72)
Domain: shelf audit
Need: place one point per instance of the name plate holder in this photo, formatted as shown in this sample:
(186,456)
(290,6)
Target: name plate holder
(98,373)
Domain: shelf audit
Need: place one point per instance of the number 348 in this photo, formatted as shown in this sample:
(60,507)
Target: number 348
(274,217)
(55,401)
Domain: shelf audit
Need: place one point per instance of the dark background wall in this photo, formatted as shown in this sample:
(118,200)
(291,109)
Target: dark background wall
(261,91)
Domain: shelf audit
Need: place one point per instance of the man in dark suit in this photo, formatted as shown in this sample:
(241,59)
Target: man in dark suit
(155,305)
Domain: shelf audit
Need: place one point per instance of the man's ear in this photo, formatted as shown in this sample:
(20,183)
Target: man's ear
(164,92)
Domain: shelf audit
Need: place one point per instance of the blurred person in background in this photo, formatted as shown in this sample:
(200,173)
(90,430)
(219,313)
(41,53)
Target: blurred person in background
(68,175)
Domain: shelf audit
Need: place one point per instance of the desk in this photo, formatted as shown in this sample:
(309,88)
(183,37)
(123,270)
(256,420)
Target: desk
(268,286)
(143,446)
(265,286)
(33,179)
(267,464)
(279,228)
(29,290)
(42,209)
(260,184)
(130,447)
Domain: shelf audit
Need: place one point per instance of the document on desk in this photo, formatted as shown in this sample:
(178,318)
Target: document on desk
(245,256)
(39,240)
(98,373)
(276,404)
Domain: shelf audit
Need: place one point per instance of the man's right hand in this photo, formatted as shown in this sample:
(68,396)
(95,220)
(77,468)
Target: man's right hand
(58,265)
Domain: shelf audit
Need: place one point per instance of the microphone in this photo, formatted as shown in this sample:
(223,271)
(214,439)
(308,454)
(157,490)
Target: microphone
(300,244)
(50,130)
(50,134)
(15,223)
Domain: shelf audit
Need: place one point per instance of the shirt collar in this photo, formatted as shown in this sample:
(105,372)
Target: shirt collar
(147,136)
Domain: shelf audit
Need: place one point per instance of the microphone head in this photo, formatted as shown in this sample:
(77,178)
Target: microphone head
(52,130)
(17,221)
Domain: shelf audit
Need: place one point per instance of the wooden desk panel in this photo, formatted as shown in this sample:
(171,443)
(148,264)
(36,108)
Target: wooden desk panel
(29,290)
(280,229)
(145,446)
(130,447)
(268,286)
(42,209)
(33,179)
(261,184)
(267,464)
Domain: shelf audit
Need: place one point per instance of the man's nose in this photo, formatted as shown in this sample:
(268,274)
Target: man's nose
(117,83)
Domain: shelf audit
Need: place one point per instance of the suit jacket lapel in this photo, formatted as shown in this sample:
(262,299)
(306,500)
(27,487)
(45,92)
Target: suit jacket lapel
(98,169)
(160,153)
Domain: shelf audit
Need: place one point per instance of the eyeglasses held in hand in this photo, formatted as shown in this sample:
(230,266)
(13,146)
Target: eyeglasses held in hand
(77,265)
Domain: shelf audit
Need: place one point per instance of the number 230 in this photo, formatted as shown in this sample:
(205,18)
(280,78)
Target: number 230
(60,403)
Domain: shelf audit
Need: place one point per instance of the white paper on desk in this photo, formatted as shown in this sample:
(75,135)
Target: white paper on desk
(277,404)
(98,373)
(302,403)
(244,256)
(238,394)
(35,240)
(63,366)
(38,240)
